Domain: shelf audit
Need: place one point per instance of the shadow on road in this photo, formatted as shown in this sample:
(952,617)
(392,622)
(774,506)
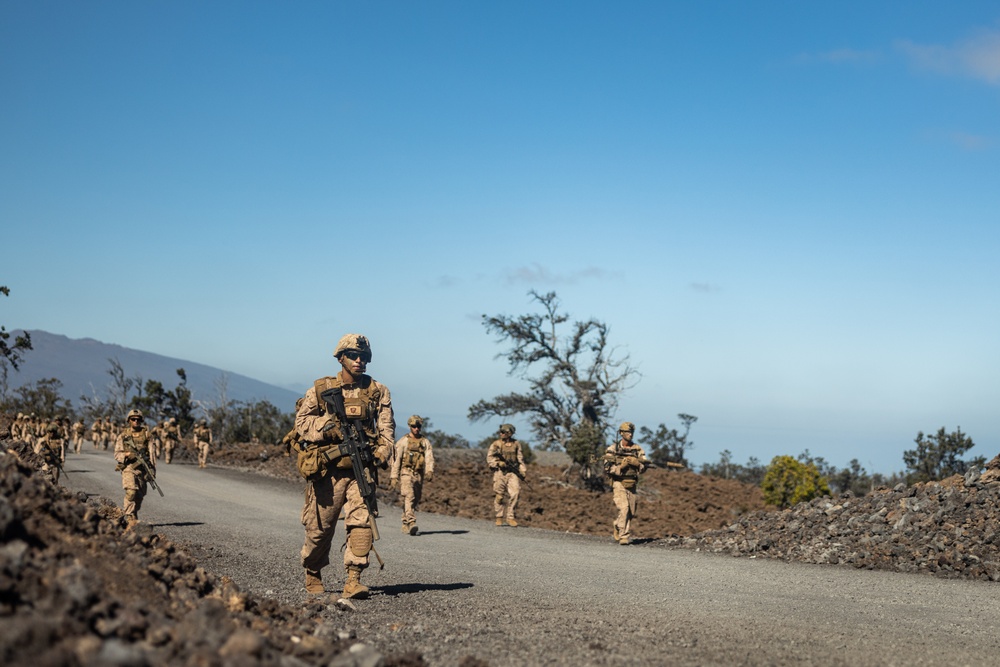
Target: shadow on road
(441,532)
(179,524)
(402,589)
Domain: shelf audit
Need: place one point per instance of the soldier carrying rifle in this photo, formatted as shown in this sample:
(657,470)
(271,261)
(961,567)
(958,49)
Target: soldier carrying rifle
(506,459)
(624,461)
(347,429)
(137,467)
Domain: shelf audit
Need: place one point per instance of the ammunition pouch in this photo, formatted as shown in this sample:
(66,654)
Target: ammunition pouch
(315,462)
(629,483)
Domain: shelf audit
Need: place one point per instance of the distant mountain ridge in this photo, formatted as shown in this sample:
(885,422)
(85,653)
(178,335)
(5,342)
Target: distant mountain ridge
(82,367)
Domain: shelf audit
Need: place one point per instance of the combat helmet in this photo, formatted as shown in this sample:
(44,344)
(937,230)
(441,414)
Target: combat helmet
(354,342)
(415,420)
(507,428)
(626,427)
(134,413)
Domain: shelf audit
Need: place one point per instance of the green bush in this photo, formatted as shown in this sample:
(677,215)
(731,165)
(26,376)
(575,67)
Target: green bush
(788,482)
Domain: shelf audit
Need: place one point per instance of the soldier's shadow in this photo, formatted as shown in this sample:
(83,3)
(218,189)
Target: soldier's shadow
(441,532)
(179,524)
(395,590)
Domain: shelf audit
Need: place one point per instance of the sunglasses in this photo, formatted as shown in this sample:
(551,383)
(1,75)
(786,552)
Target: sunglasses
(353,355)
(135,419)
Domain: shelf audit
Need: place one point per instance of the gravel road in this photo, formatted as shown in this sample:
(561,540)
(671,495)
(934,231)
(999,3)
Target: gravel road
(530,597)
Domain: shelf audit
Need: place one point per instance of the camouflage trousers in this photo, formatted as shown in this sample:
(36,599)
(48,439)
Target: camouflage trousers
(505,484)
(625,501)
(411,485)
(134,483)
(325,498)
(168,449)
(202,453)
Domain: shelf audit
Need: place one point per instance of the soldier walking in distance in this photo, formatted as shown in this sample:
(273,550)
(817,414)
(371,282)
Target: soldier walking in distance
(171,437)
(332,485)
(202,441)
(51,447)
(412,465)
(624,461)
(79,431)
(506,460)
(132,444)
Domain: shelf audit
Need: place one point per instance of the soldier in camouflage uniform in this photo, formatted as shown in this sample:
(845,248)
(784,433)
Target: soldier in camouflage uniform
(95,432)
(412,465)
(331,482)
(51,447)
(171,437)
(202,441)
(131,444)
(506,460)
(79,430)
(624,461)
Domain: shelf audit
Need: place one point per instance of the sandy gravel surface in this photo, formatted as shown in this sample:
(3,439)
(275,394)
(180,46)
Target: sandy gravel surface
(465,591)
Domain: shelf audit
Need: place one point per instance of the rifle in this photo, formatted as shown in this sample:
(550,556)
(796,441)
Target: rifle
(357,447)
(150,475)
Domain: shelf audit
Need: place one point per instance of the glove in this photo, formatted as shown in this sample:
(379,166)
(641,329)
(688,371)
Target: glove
(330,429)
(129,459)
(394,484)
(631,462)
(382,457)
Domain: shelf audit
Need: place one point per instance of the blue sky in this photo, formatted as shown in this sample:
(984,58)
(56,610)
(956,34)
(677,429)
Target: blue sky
(788,213)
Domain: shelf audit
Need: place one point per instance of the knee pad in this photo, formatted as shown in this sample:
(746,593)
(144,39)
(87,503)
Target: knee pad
(360,541)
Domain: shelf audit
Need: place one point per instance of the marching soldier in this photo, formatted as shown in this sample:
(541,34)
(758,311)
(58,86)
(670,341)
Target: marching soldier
(79,430)
(332,484)
(412,465)
(506,460)
(202,441)
(171,437)
(131,445)
(51,447)
(624,461)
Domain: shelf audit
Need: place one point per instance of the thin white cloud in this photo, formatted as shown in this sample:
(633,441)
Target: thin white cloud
(705,288)
(977,57)
(840,57)
(538,274)
(970,142)
(445,282)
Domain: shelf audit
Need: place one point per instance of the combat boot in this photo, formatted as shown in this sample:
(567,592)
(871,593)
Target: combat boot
(406,529)
(413,529)
(511,522)
(314,582)
(499,522)
(353,588)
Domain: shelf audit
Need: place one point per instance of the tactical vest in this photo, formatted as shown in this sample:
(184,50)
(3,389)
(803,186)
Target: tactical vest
(172,432)
(508,453)
(363,407)
(202,433)
(139,441)
(621,452)
(413,457)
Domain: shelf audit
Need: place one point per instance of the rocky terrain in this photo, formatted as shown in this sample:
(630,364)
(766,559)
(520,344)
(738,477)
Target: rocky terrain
(949,528)
(76,588)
